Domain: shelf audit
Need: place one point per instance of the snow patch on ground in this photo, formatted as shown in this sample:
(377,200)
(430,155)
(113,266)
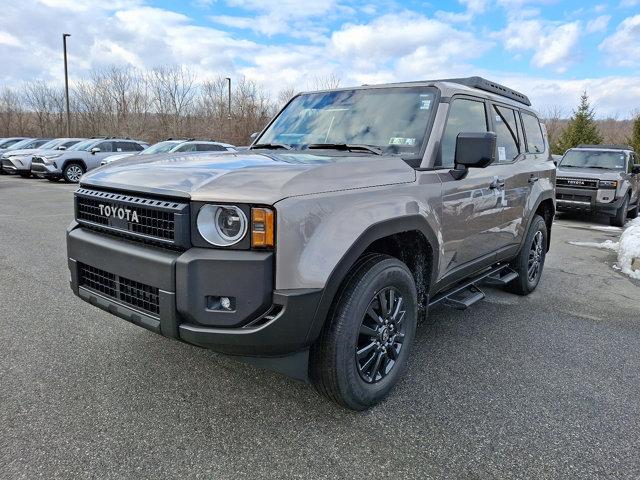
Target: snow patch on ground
(628,247)
(606,245)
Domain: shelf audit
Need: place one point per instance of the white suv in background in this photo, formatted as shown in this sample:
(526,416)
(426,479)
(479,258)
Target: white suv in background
(175,145)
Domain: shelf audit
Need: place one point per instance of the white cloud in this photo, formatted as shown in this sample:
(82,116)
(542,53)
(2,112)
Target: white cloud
(473,9)
(598,24)
(553,45)
(623,47)
(629,3)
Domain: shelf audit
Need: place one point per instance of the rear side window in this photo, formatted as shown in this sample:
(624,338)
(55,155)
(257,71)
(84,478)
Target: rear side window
(127,147)
(467,116)
(209,147)
(506,128)
(533,132)
(189,147)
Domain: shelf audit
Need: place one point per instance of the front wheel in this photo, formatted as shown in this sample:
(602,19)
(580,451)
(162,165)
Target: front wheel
(621,214)
(72,173)
(363,349)
(530,260)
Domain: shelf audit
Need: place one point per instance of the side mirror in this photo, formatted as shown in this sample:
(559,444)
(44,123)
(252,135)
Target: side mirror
(636,169)
(254,135)
(473,150)
(95,150)
(61,147)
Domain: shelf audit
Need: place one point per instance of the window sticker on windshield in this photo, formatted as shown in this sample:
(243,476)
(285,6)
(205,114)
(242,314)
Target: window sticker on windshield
(498,119)
(425,104)
(502,154)
(402,141)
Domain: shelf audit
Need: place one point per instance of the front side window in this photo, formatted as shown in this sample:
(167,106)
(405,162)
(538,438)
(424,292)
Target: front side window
(160,147)
(506,127)
(465,116)
(393,120)
(105,147)
(533,132)
(209,147)
(602,159)
(187,147)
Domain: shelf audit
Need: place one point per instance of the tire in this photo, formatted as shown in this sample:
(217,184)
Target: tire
(72,172)
(530,260)
(361,381)
(621,214)
(636,211)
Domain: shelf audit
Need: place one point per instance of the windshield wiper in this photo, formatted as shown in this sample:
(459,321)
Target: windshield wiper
(273,146)
(348,147)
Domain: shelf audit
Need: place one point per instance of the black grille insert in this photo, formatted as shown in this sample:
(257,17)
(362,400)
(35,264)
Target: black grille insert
(164,222)
(577,183)
(135,294)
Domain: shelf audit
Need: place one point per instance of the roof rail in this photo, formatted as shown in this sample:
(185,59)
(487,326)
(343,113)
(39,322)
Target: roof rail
(608,146)
(103,138)
(492,87)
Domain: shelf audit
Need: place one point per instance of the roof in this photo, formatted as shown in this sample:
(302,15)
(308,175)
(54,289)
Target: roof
(607,147)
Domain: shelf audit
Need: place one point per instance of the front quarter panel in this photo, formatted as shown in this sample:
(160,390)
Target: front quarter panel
(315,232)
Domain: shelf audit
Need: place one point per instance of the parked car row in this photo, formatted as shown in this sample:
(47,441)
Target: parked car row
(70,158)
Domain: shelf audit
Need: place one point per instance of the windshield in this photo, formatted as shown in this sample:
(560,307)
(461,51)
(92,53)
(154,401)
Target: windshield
(392,119)
(594,159)
(52,144)
(160,147)
(21,144)
(82,146)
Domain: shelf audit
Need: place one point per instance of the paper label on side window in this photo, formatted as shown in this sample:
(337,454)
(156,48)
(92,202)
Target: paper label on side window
(502,154)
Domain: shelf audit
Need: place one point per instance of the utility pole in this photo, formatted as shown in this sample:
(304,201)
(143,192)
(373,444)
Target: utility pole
(66,82)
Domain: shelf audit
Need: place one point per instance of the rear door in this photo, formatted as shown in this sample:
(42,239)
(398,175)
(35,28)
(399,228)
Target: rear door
(471,206)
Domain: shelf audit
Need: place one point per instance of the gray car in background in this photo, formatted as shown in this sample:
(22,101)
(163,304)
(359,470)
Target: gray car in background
(5,143)
(175,145)
(19,161)
(71,164)
(600,179)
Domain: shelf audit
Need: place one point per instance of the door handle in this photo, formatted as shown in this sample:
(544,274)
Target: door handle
(498,183)
(533,179)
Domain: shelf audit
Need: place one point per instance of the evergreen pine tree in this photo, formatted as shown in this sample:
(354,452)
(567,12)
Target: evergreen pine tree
(635,134)
(582,127)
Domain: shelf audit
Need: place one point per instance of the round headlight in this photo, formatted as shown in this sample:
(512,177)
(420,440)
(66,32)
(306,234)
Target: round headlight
(222,225)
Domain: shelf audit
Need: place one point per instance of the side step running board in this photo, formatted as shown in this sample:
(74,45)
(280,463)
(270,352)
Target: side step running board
(501,278)
(466,293)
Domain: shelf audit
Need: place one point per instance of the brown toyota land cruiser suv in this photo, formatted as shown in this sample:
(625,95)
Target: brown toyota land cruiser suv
(316,251)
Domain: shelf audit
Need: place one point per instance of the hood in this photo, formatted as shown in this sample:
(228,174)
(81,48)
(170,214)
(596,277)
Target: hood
(248,177)
(595,173)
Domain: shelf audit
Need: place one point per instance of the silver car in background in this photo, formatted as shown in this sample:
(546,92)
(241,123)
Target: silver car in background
(18,161)
(71,164)
(176,145)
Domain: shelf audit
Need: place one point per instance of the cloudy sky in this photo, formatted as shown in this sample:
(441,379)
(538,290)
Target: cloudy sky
(549,49)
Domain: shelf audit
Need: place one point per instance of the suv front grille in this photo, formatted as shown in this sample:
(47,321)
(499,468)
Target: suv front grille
(589,183)
(129,292)
(164,222)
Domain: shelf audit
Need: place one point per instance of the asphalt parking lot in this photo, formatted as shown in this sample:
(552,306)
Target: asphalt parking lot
(538,387)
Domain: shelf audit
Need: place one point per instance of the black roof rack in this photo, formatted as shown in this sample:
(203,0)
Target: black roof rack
(492,87)
(606,146)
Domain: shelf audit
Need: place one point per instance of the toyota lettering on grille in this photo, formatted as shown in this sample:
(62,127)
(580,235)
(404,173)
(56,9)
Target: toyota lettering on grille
(119,213)
(575,182)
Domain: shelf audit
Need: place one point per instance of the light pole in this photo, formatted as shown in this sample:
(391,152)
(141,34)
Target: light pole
(66,81)
(229,97)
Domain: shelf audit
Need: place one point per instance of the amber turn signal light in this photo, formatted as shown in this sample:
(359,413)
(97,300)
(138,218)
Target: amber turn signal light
(262,228)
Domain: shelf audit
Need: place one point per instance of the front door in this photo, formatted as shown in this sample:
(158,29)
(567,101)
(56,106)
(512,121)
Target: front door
(472,206)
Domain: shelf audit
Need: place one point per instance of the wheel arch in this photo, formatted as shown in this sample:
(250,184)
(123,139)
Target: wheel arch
(78,161)
(385,237)
(546,208)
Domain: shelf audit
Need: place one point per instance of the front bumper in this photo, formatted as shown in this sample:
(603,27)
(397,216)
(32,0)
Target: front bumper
(12,166)
(46,170)
(264,323)
(587,200)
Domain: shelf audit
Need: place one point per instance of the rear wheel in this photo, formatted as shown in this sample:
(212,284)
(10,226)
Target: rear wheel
(634,213)
(72,172)
(621,214)
(530,260)
(363,349)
